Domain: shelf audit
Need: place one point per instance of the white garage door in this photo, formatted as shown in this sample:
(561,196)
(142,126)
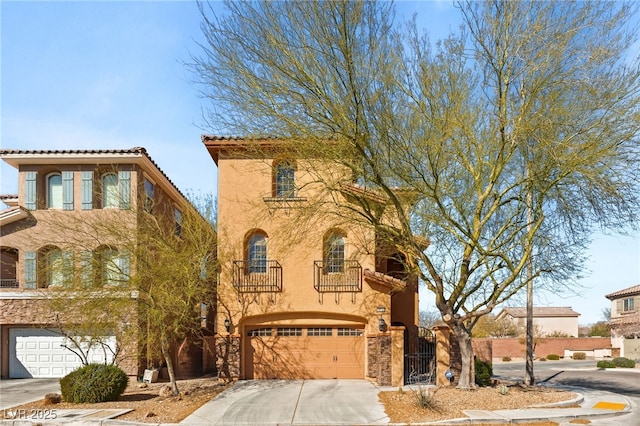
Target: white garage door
(40,353)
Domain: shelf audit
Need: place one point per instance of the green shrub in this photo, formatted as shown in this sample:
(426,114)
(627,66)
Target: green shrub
(484,371)
(579,355)
(605,363)
(553,357)
(622,362)
(94,383)
(506,358)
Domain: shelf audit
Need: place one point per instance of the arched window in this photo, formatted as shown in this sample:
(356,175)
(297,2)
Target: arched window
(257,254)
(114,266)
(334,253)
(54,191)
(285,180)
(110,195)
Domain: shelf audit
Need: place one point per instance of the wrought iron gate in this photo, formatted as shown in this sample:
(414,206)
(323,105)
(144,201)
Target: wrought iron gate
(420,357)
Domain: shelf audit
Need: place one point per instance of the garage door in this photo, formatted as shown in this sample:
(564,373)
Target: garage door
(39,353)
(305,353)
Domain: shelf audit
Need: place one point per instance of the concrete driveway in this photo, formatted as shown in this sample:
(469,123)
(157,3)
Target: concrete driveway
(20,391)
(338,402)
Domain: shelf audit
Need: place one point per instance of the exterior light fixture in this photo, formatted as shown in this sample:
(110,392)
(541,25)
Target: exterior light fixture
(381,324)
(227,324)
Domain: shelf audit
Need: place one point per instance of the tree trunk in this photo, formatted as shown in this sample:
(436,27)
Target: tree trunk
(467,373)
(167,358)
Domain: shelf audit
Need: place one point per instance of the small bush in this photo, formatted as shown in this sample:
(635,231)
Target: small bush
(622,362)
(483,373)
(426,398)
(579,356)
(542,359)
(553,357)
(94,383)
(605,363)
(506,358)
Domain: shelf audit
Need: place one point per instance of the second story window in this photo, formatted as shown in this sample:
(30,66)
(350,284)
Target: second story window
(257,254)
(285,180)
(177,215)
(148,195)
(110,194)
(628,305)
(116,190)
(334,254)
(54,191)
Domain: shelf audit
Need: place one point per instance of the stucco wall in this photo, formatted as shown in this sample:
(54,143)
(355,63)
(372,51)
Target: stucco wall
(516,348)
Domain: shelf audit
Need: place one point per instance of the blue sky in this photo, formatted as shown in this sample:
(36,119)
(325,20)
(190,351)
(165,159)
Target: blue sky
(97,75)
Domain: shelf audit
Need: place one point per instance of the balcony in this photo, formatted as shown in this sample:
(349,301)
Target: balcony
(9,283)
(348,279)
(265,277)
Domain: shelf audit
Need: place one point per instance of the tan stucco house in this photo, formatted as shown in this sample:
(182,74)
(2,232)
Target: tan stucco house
(56,190)
(303,292)
(625,321)
(547,321)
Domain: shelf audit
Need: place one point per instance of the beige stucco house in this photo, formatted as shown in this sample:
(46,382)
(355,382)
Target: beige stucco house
(58,193)
(547,321)
(625,321)
(304,291)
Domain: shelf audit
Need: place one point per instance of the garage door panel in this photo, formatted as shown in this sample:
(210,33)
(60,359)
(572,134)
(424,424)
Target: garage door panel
(40,353)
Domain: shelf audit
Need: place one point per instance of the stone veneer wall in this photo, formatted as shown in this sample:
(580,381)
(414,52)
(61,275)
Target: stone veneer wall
(379,358)
(228,357)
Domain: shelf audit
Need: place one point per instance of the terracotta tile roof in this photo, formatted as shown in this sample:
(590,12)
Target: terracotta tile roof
(625,320)
(388,281)
(631,291)
(138,151)
(563,311)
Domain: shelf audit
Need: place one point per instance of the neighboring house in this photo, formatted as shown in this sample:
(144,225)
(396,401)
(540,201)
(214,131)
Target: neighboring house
(303,292)
(547,321)
(625,321)
(60,187)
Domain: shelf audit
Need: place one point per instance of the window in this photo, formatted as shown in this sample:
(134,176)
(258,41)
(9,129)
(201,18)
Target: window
(54,191)
(110,193)
(284,180)
(257,254)
(55,272)
(148,196)
(56,267)
(114,266)
(319,331)
(289,331)
(177,215)
(334,254)
(627,305)
(259,332)
(349,332)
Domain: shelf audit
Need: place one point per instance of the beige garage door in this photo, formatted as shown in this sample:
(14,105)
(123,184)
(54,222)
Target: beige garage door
(305,353)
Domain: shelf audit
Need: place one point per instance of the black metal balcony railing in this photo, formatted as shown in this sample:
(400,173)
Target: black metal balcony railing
(9,283)
(257,277)
(349,279)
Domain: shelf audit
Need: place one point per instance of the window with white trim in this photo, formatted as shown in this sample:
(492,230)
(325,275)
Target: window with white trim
(628,305)
(54,191)
(289,331)
(319,331)
(110,192)
(257,254)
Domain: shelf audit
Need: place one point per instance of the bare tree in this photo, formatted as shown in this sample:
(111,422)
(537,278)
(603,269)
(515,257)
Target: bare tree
(138,276)
(503,144)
